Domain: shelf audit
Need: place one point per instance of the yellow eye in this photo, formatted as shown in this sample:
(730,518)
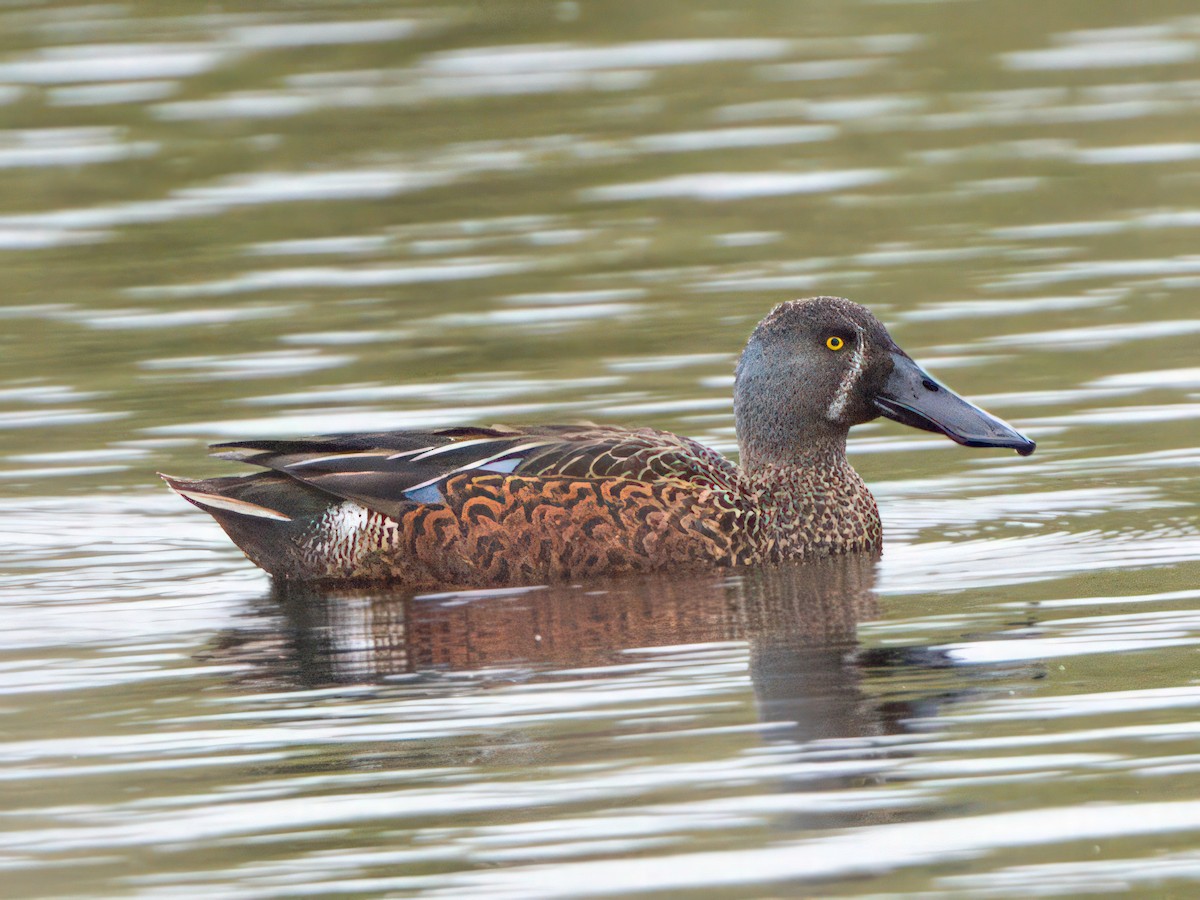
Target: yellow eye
(834,343)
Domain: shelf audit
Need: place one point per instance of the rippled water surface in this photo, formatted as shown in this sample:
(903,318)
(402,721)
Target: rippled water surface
(243,220)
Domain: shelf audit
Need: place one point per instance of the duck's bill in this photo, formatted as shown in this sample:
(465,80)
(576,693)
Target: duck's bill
(912,397)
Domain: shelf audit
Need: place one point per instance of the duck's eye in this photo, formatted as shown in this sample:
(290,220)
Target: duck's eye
(833,342)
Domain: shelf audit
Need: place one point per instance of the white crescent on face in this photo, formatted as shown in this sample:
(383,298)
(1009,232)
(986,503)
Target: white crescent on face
(858,357)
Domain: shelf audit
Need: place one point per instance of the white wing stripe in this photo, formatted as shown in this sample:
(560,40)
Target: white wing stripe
(405,453)
(456,445)
(228,504)
(365,454)
(508,451)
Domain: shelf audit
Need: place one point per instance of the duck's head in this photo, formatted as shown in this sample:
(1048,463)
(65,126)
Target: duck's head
(814,368)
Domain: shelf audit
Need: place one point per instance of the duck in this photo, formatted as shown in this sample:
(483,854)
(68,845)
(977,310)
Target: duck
(498,506)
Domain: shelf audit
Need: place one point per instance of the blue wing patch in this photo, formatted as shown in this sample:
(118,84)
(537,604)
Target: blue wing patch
(429,493)
(503,466)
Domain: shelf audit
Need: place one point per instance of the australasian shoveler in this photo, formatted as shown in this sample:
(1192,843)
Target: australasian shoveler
(503,506)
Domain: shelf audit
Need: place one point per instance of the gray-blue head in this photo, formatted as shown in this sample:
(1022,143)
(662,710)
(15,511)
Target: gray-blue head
(814,368)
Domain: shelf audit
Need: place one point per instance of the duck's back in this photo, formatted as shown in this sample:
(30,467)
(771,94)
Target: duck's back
(482,507)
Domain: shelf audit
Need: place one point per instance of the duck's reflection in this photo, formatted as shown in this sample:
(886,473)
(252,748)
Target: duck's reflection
(799,622)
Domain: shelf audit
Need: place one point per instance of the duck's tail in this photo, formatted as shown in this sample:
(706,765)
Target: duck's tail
(266,514)
(216,495)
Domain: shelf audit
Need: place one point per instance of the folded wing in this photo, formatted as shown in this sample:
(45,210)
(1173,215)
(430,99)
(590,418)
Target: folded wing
(389,472)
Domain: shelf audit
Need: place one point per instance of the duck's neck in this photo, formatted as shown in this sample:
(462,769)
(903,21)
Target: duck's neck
(773,434)
(778,424)
(764,456)
(794,457)
(814,503)
(818,474)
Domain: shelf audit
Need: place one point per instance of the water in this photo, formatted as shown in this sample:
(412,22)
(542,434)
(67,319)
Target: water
(221,222)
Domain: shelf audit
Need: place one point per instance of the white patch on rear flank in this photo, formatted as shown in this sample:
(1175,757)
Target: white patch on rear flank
(858,357)
(344,523)
(228,504)
(337,542)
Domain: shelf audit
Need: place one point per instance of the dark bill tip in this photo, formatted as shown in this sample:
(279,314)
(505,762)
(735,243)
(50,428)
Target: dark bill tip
(914,398)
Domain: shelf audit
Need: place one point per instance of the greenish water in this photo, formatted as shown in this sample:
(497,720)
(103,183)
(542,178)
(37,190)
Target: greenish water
(225,221)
